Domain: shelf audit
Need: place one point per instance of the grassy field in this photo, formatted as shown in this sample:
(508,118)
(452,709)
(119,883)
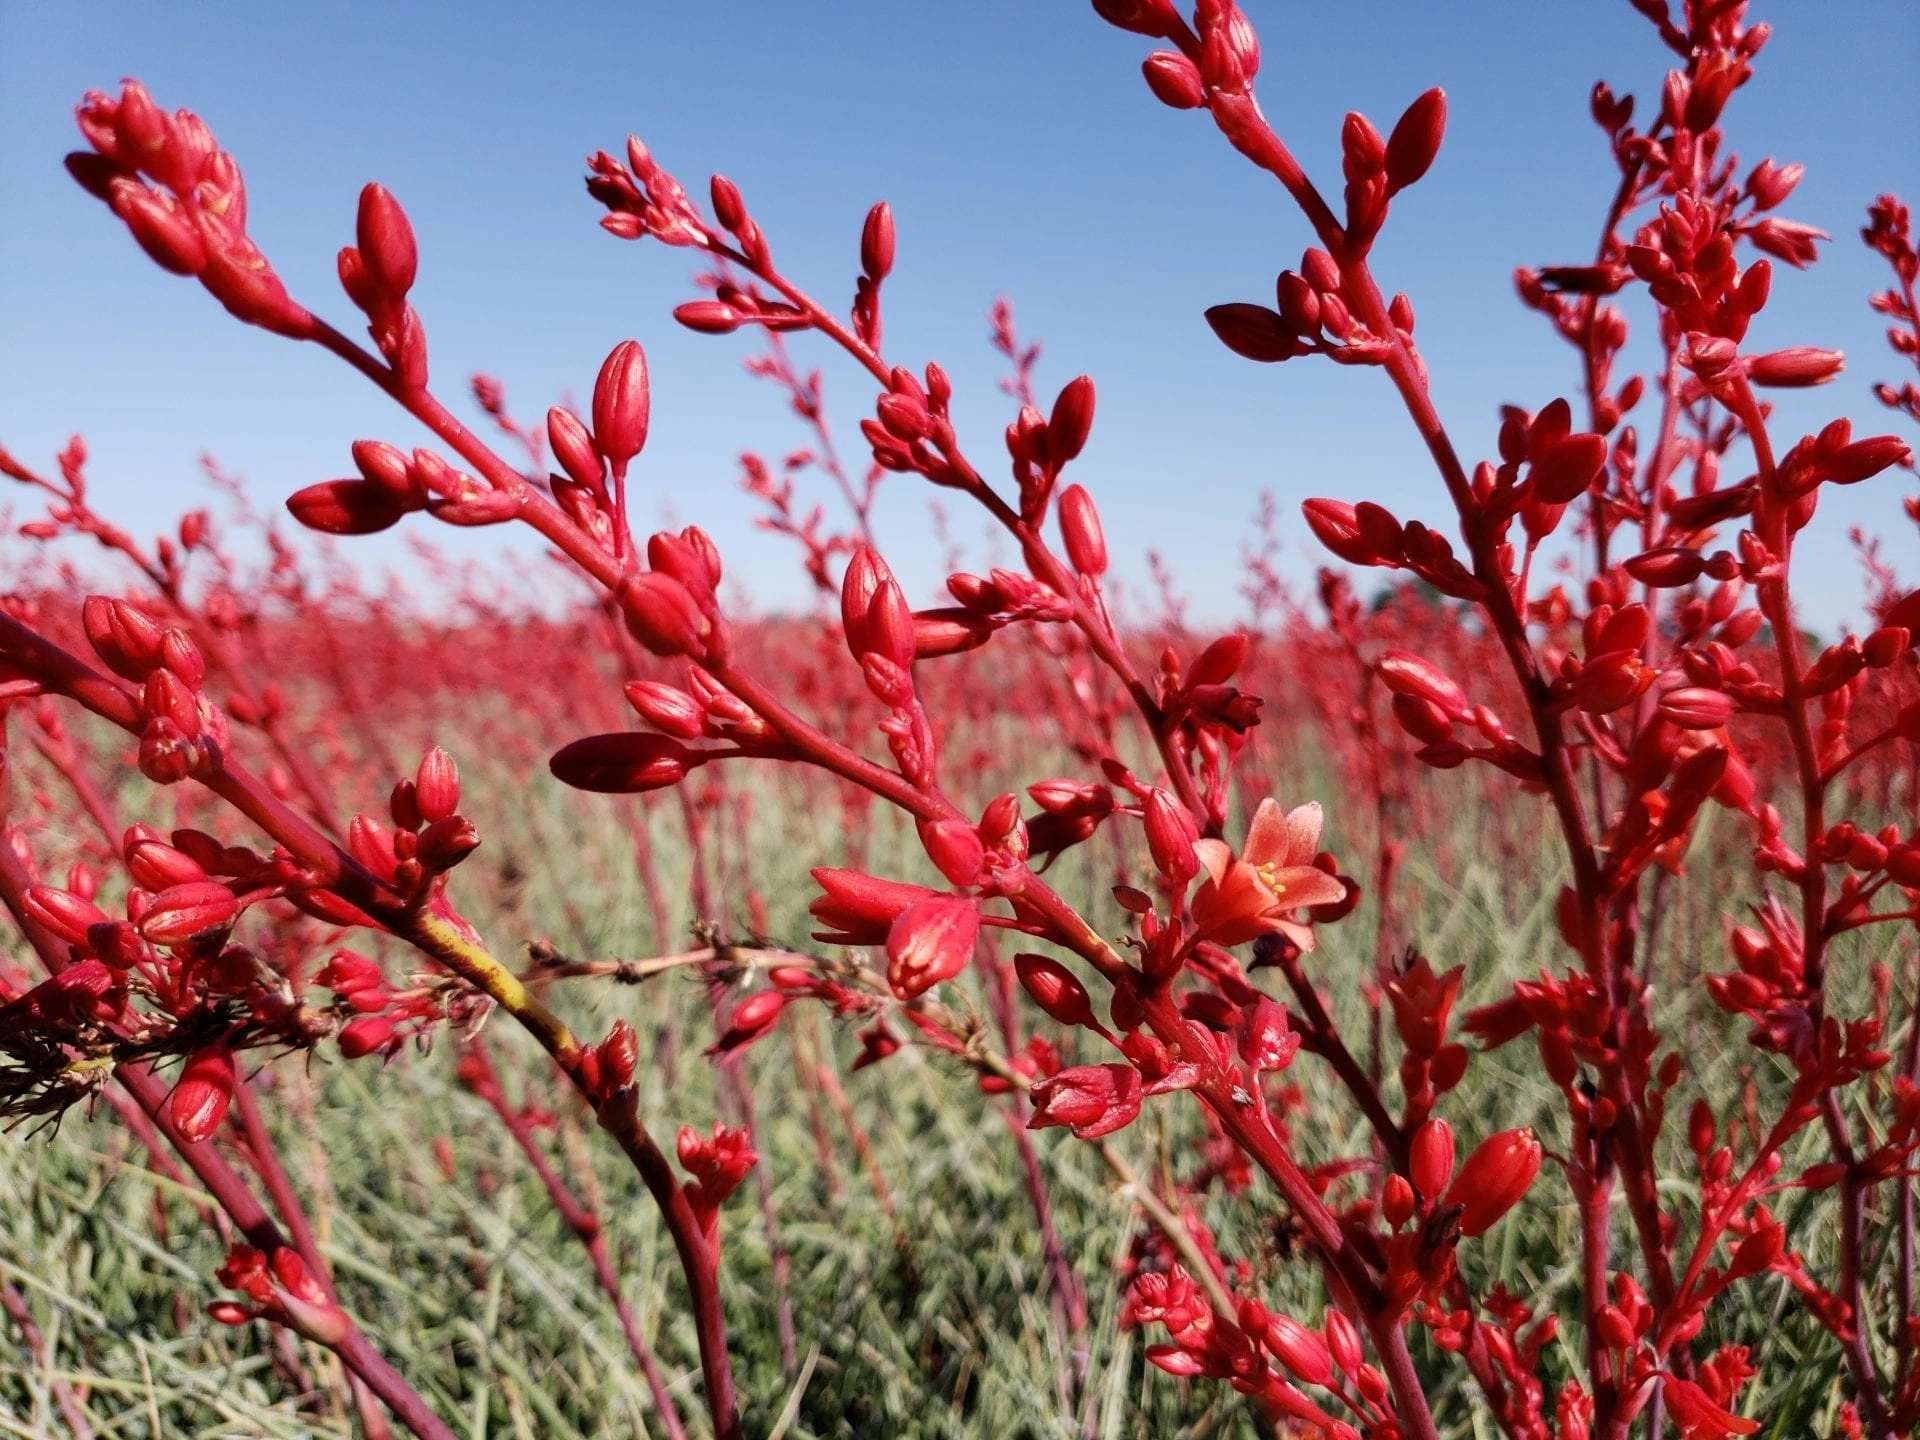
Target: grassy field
(922,1310)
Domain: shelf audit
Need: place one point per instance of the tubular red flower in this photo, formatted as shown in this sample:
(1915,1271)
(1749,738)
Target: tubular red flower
(1496,1175)
(202,1094)
(930,941)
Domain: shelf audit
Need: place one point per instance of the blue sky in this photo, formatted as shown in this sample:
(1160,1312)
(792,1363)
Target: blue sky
(1023,157)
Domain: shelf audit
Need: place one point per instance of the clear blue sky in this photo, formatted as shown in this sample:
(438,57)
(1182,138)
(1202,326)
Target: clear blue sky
(1023,157)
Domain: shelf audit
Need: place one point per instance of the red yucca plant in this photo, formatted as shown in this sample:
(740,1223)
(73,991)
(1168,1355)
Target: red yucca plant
(1671,679)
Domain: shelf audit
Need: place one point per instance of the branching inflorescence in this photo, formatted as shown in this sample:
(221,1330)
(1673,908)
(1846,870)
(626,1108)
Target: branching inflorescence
(1673,679)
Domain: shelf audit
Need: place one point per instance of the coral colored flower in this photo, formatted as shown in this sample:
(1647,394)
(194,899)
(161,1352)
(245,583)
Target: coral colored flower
(1273,876)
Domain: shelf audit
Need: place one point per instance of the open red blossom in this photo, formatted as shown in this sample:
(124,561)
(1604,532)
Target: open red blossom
(1271,879)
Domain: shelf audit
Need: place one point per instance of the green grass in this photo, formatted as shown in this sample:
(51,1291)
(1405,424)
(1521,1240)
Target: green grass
(930,1322)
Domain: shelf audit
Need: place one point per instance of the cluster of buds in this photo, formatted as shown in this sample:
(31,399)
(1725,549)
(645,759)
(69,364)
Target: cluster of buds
(182,198)
(280,1289)
(717,1164)
(1274,1358)
(1422,1004)
(378,1017)
(182,732)
(1428,1209)
(393,484)
(1040,447)
(1308,317)
(428,836)
(377,274)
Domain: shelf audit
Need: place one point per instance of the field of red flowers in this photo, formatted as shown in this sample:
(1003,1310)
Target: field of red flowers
(1475,996)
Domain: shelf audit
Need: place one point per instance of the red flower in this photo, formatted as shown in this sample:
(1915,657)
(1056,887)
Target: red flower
(930,941)
(1494,1178)
(857,909)
(1694,1411)
(200,1099)
(1093,1100)
(1273,877)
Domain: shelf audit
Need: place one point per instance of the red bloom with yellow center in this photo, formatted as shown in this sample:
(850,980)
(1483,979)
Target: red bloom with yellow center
(1272,878)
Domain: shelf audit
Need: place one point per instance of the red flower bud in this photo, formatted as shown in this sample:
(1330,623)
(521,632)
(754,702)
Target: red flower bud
(619,1053)
(1071,421)
(155,865)
(1563,472)
(1667,568)
(1343,1339)
(1696,707)
(623,763)
(186,912)
(1056,990)
(67,915)
(954,847)
(930,941)
(1606,682)
(889,627)
(668,709)
(622,404)
(1363,534)
(1408,674)
(876,242)
(709,317)
(663,615)
(1494,1178)
(365,1034)
(1080,528)
(201,1096)
(728,208)
(385,237)
(752,1019)
(1093,1100)
(1430,1158)
(1253,332)
(1171,836)
(573,447)
(436,786)
(1301,1350)
(345,507)
(1397,1201)
(1416,139)
(1864,459)
(126,638)
(1795,368)
(163,229)
(1174,79)
(1153,18)
(949,630)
